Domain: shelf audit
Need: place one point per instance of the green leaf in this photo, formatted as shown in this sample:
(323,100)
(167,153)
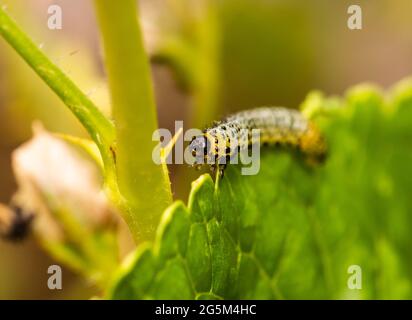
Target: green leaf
(293,231)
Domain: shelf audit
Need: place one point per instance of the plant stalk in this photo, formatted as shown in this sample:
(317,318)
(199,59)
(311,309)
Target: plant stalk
(143,185)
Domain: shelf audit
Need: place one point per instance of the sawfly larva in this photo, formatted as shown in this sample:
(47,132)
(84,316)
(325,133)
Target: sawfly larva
(276,125)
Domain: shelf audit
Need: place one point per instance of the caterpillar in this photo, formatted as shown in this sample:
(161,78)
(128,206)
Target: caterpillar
(277,126)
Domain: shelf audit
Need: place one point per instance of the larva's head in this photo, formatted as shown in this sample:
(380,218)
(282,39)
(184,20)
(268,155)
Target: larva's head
(199,148)
(211,147)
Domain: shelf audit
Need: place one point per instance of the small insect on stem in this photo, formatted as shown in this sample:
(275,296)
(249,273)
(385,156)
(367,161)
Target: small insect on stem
(218,144)
(14,222)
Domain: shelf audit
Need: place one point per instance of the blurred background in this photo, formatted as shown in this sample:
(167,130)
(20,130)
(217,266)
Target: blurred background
(208,58)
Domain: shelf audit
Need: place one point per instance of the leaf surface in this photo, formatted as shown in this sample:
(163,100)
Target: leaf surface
(292,231)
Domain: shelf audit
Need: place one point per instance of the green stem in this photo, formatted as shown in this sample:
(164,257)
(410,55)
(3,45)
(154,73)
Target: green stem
(98,126)
(142,184)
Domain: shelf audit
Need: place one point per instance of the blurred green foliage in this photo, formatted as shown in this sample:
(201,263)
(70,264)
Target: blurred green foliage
(291,231)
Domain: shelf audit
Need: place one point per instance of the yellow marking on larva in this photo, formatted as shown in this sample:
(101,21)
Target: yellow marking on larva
(312,142)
